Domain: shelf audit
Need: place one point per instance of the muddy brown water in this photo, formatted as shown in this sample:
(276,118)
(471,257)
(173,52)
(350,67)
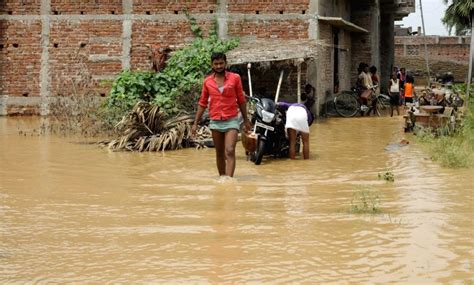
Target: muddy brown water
(74,212)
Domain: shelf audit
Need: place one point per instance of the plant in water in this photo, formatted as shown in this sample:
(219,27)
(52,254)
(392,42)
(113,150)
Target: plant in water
(387,176)
(365,201)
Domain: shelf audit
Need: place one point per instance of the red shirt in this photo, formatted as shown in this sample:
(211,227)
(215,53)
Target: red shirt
(222,106)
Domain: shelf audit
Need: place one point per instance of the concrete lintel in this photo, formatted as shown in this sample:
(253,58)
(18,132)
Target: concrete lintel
(13,100)
(104,77)
(103,57)
(105,40)
(157,17)
(269,17)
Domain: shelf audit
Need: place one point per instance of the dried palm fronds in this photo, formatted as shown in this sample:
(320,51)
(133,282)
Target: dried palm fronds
(145,128)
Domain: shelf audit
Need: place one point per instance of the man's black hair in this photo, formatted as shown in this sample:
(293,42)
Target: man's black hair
(373,69)
(218,55)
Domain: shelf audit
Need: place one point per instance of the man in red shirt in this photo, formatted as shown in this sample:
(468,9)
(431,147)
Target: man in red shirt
(223,92)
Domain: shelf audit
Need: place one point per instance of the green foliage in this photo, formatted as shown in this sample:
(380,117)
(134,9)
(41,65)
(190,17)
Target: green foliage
(458,15)
(130,87)
(176,85)
(461,89)
(365,201)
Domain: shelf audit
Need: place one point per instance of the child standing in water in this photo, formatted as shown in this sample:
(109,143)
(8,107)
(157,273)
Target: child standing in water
(394,86)
(409,90)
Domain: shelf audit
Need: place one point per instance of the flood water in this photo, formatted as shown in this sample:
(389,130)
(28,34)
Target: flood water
(75,212)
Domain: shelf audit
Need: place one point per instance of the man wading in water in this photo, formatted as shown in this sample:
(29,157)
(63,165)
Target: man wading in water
(225,95)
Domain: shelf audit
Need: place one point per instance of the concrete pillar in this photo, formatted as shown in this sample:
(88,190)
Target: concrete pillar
(387,52)
(127,6)
(3,105)
(222,17)
(45,10)
(375,34)
(312,65)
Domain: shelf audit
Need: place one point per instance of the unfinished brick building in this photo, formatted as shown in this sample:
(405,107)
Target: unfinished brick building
(445,54)
(45,44)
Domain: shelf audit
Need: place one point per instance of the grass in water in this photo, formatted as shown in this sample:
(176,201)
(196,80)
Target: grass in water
(387,176)
(365,201)
(451,149)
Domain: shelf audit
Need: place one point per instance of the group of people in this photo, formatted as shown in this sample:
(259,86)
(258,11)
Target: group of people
(401,87)
(223,94)
(367,81)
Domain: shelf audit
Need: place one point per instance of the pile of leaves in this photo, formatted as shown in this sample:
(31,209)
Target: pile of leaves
(146,128)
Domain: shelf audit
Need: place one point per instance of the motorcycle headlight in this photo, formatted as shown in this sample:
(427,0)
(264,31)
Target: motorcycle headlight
(267,117)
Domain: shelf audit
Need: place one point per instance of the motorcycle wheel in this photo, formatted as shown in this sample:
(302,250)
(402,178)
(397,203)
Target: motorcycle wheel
(259,152)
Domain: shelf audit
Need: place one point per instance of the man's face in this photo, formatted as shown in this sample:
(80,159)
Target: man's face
(218,66)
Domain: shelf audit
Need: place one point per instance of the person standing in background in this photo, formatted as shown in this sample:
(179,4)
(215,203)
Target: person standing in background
(375,81)
(394,87)
(402,76)
(409,91)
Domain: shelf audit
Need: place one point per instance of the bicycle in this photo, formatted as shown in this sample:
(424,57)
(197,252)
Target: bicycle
(347,103)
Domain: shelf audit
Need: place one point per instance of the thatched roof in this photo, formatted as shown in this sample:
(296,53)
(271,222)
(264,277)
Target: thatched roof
(272,50)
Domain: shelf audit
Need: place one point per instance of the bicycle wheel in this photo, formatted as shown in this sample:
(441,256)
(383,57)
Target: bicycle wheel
(346,105)
(382,105)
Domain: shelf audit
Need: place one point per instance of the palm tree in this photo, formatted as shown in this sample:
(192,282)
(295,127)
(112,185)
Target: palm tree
(460,16)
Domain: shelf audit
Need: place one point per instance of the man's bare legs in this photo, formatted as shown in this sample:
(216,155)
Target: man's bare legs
(230,142)
(292,139)
(224,143)
(305,138)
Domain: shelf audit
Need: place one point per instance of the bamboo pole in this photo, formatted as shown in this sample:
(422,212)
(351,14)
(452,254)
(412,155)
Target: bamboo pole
(426,46)
(278,88)
(249,65)
(298,81)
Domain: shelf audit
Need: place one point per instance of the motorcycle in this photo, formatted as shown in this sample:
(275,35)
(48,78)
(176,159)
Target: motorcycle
(269,126)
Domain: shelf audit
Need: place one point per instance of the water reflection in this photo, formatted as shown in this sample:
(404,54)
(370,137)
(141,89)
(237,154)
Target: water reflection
(78,213)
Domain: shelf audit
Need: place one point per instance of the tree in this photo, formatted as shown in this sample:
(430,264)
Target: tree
(460,15)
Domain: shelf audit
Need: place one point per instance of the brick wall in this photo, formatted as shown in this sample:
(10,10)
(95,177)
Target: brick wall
(20,53)
(68,45)
(445,54)
(325,64)
(274,29)
(174,7)
(61,7)
(164,33)
(82,52)
(361,42)
(16,7)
